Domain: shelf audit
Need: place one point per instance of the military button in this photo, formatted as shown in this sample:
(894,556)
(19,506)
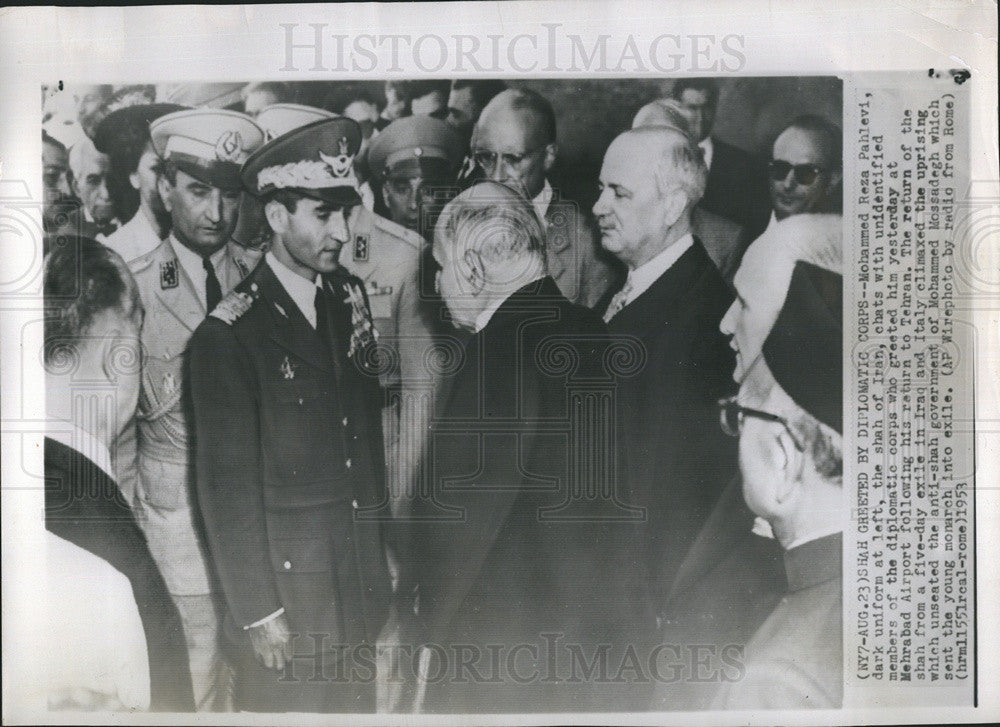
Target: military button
(344,421)
(288,565)
(300,402)
(348,463)
(354,504)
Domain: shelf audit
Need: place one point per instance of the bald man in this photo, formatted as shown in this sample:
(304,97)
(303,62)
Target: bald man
(514,142)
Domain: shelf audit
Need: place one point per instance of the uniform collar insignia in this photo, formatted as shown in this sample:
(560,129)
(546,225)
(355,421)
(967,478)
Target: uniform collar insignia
(168,274)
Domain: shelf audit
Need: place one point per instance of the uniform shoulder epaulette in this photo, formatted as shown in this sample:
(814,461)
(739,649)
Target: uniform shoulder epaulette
(137,265)
(233,306)
(398,231)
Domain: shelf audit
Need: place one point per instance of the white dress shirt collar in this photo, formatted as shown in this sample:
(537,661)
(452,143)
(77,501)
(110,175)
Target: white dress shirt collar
(542,201)
(486,315)
(299,289)
(194,267)
(707,150)
(640,279)
(771,223)
(69,434)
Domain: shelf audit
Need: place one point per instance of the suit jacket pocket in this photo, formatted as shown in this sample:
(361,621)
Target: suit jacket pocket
(305,571)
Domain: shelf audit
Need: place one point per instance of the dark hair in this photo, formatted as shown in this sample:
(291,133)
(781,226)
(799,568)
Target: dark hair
(402,88)
(418,89)
(829,133)
(82,279)
(342,95)
(48,139)
(288,198)
(482,91)
(708,85)
(528,100)
(166,169)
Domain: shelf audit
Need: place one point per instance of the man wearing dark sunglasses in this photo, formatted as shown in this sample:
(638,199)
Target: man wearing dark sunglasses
(805,168)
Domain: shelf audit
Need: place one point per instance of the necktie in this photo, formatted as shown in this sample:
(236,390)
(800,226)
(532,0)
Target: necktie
(323,319)
(213,291)
(618,301)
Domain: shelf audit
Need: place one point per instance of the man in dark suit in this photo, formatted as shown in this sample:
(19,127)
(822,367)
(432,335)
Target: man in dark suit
(737,180)
(92,319)
(289,448)
(509,552)
(789,418)
(677,461)
(514,142)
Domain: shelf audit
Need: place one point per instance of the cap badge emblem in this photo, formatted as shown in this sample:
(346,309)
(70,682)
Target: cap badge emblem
(340,165)
(229,146)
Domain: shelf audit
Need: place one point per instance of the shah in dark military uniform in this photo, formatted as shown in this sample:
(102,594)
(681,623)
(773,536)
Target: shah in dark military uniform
(289,447)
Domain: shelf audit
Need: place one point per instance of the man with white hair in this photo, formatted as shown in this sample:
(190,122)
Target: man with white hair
(508,568)
(789,420)
(672,300)
(514,143)
(724,240)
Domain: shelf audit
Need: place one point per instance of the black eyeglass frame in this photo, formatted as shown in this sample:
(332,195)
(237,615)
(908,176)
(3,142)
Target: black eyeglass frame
(731,414)
(513,161)
(805,174)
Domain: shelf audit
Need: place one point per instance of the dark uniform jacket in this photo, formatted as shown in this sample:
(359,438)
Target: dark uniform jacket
(84,506)
(289,452)
(677,459)
(500,560)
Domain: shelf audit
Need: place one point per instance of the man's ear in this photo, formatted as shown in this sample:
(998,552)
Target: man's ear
(164,187)
(551,150)
(674,203)
(475,272)
(791,461)
(133,179)
(835,177)
(276,215)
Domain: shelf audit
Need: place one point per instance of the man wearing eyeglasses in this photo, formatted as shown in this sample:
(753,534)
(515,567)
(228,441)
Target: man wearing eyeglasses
(805,168)
(514,142)
(789,420)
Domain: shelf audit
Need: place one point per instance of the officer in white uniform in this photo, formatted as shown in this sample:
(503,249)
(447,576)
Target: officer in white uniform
(180,282)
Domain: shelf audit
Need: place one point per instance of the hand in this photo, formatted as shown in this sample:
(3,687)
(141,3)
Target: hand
(272,642)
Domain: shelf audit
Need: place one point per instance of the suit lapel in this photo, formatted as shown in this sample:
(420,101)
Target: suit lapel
(660,303)
(287,326)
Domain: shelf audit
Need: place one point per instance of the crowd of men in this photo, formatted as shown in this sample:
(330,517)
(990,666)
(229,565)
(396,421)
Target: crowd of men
(399,426)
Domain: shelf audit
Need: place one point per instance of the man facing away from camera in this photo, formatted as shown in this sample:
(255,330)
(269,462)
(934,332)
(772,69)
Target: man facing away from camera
(503,558)
(514,143)
(289,446)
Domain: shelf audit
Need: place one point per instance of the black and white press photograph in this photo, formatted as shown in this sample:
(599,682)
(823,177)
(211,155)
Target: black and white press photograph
(524,362)
(444,396)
